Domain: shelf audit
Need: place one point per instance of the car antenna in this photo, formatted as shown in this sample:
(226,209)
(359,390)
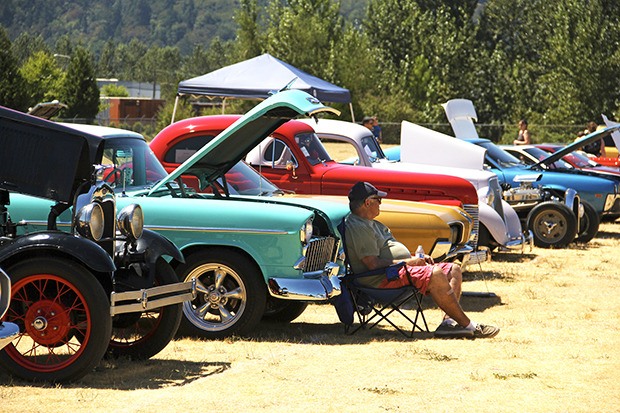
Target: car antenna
(286,87)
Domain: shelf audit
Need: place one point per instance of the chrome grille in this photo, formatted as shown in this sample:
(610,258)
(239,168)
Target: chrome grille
(319,252)
(472,209)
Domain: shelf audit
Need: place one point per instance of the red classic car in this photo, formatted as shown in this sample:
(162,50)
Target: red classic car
(581,161)
(294,159)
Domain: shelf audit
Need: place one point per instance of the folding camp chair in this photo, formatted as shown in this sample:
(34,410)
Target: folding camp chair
(372,305)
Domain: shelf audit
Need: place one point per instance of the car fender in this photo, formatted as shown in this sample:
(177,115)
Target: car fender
(494,223)
(512,220)
(84,250)
(158,245)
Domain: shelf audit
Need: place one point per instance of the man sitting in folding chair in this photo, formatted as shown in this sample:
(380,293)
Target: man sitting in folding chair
(370,245)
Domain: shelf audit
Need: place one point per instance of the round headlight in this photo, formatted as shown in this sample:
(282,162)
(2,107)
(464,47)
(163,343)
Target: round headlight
(306,231)
(90,221)
(455,234)
(131,221)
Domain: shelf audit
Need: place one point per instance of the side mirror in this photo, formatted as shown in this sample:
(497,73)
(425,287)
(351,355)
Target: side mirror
(290,166)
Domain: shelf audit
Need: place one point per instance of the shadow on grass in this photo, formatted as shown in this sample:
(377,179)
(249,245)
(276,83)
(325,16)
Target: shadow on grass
(126,374)
(333,333)
(607,234)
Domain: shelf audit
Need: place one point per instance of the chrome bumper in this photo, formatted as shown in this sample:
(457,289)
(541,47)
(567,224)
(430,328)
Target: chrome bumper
(476,257)
(8,333)
(151,298)
(310,288)
(441,249)
(527,238)
(461,252)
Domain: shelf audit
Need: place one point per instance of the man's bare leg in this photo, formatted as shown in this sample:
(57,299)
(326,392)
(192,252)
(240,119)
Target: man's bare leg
(445,297)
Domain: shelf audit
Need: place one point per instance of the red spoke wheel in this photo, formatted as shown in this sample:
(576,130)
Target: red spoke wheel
(64,318)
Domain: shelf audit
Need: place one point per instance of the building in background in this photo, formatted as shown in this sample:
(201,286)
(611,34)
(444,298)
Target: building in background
(141,106)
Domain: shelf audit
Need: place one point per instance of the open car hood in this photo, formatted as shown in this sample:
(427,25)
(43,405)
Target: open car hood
(591,137)
(425,146)
(233,143)
(44,159)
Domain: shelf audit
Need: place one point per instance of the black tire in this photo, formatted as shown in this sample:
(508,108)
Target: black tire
(140,336)
(553,224)
(232,305)
(63,314)
(588,224)
(283,311)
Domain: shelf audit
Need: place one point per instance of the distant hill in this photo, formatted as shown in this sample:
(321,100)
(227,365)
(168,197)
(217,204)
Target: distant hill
(181,23)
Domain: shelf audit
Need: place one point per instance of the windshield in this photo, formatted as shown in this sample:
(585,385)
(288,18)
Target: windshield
(581,160)
(242,179)
(500,156)
(539,155)
(372,149)
(129,163)
(311,147)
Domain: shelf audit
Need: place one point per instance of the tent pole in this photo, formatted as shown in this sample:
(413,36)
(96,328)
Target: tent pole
(352,115)
(223,105)
(174,110)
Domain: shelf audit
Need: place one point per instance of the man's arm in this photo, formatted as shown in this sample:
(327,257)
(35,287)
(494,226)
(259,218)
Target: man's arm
(373,262)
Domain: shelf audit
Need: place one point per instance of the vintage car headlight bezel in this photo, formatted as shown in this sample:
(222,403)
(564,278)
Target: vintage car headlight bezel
(90,221)
(131,221)
(306,231)
(486,195)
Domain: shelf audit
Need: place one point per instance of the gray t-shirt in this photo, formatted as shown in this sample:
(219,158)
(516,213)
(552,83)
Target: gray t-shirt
(366,238)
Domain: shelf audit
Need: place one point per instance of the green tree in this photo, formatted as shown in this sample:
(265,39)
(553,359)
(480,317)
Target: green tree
(12,92)
(426,53)
(79,90)
(107,65)
(249,39)
(560,66)
(580,77)
(204,60)
(302,33)
(112,90)
(362,77)
(128,59)
(161,65)
(25,45)
(43,78)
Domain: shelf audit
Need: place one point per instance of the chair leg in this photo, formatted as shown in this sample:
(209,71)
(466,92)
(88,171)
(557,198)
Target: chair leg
(380,314)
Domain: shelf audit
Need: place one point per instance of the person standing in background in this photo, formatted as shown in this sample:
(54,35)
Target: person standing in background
(523,137)
(376,129)
(596,148)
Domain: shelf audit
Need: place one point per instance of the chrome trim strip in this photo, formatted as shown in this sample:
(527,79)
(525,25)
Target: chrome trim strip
(216,229)
(188,229)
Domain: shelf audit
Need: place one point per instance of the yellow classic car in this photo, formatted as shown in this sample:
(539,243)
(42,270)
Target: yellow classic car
(441,230)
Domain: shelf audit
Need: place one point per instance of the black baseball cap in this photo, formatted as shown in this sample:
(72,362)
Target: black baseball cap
(362,190)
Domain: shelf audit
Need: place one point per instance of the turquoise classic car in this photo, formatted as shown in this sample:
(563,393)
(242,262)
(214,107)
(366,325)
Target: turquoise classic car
(252,257)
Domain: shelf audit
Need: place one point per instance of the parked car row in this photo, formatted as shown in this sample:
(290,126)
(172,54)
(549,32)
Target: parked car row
(224,221)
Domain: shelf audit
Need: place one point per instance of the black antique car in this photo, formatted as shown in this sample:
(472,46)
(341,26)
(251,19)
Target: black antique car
(103,288)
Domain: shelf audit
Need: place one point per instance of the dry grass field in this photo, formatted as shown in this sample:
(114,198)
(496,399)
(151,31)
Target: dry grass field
(557,352)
